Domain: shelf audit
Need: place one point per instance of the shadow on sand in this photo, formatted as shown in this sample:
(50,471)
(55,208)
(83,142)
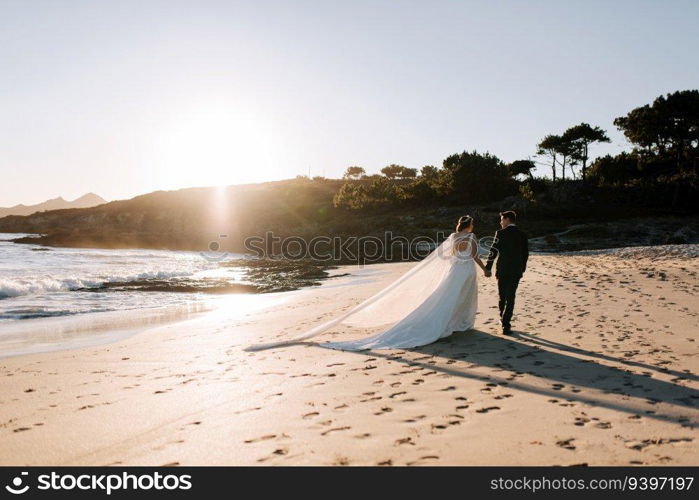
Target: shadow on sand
(562,376)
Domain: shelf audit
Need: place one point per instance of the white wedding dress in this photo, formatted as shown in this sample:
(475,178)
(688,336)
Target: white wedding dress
(435,298)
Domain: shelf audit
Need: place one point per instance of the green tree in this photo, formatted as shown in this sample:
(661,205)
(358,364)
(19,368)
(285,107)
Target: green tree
(392,171)
(429,173)
(668,129)
(354,173)
(521,167)
(382,192)
(567,151)
(579,138)
(408,173)
(421,192)
(615,170)
(475,178)
(550,145)
(357,196)
(351,196)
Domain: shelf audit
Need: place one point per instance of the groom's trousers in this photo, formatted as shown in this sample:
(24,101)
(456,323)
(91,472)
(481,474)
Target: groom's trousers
(507,289)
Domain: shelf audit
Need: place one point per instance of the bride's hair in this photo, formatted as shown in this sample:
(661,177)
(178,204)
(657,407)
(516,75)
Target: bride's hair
(464,222)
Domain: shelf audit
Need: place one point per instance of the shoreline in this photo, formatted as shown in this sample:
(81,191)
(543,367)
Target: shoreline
(71,332)
(612,366)
(101,328)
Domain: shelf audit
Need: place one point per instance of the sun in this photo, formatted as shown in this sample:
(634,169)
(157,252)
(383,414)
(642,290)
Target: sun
(215,145)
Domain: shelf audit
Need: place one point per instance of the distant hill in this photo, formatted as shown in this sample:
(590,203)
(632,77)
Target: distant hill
(193,218)
(187,219)
(85,201)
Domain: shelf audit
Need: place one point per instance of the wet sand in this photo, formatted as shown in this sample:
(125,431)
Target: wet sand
(602,369)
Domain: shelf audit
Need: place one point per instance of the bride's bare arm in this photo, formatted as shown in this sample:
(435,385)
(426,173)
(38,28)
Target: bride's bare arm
(474,254)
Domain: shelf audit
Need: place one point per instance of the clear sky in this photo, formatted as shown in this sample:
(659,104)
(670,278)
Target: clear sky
(125,97)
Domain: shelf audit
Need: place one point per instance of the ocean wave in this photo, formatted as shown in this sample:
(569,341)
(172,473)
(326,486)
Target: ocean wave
(180,285)
(36,285)
(41,313)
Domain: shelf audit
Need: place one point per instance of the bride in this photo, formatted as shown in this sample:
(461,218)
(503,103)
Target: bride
(435,298)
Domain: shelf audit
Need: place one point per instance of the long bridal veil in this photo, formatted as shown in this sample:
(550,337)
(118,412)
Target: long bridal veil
(396,301)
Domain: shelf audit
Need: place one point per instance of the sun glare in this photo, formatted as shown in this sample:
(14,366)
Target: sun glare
(208,147)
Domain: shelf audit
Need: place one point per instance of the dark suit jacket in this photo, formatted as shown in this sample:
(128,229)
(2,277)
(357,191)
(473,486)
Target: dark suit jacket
(511,248)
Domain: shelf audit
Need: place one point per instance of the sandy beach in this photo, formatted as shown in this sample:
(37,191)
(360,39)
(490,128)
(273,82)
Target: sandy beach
(603,369)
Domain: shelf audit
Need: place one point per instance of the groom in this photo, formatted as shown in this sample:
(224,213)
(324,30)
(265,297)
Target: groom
(511,248)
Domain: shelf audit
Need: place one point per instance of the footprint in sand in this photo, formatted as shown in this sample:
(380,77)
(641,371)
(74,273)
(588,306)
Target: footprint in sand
(488,409)
(581,421)
(247,410)
(503,396)
(266,437)
(406,440)
(566,443)
(421,460)
(335,429)
(276,453)
(414,419)
(641,445)
(383,410)
(374,398)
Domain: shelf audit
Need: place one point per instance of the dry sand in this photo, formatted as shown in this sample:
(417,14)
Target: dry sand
(602,370)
